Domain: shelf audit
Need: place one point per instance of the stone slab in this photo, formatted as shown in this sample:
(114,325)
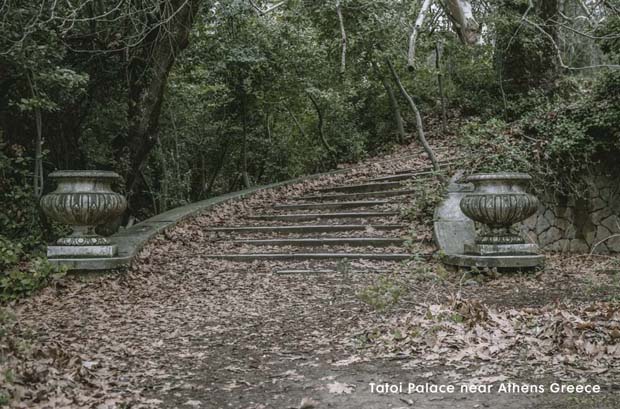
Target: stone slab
(307,228)
(499,262)
(363,187)
(250,257)
(402,176)
(313,216)
(452,230)
(331,205)
(310,272)
(54,252)
(92,264)
(325,241)
(503,249)
(360,195)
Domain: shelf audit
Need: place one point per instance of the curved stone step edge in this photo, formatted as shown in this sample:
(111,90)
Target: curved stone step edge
(316,242)
(313,216)
(316,272)
(333,205)
(359,195)
(306,228)
(132,240)
(251,257)
(362,187)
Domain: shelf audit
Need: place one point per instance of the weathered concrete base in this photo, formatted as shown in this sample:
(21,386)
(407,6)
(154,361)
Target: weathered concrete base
(91,264)
(55,252)
(501,249)
(499,262)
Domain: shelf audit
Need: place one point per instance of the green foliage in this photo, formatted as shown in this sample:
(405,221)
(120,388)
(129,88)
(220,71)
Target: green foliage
(429,192)
(19,219)
(608,38)
(383,294)
(24,279)
(557,140)
(10,253)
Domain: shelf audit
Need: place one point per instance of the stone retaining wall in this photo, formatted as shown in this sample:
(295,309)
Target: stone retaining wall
(577,225)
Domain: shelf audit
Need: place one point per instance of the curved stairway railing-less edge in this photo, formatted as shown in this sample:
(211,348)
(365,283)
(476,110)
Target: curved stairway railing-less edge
(130,241)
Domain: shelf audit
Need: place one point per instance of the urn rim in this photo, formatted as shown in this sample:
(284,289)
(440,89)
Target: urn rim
(477,177)
(85,174)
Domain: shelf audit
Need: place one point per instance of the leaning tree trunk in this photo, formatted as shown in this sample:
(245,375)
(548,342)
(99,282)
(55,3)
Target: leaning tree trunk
(148,76)
(461,14)
(418,118)
(322,137)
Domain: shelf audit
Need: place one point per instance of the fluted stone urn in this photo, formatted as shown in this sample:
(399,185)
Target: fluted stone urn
(499,201)
(83,199)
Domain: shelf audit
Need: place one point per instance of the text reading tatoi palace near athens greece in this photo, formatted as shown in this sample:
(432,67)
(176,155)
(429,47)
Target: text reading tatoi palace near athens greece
(509,387)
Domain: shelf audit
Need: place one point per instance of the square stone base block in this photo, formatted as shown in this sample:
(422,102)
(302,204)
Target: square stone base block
(501,249)
(81,251)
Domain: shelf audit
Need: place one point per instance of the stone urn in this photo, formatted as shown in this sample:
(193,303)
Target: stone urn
(83,199)
(499,201)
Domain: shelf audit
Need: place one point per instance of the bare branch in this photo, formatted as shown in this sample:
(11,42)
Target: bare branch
(559,52)
(523,20)
(587,12)
(343,34)
(267,10)
(584,34)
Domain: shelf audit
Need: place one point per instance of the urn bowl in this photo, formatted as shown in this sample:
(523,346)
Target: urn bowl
(498,201)
(83,199)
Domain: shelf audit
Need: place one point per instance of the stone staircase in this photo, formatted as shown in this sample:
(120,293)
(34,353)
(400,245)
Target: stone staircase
(356,227)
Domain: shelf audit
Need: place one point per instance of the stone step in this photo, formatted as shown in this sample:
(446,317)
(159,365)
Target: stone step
(445,162)
(332,205)
(316,271)
(363,187)
(314,216)
(316,242)
(402,177)
(309,228)
(250,257)
(360,195)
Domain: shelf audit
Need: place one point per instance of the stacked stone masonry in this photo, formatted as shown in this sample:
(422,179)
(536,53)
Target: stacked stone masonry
(590,223)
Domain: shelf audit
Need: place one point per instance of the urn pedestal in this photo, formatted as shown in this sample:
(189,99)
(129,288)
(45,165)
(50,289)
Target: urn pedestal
(83,199)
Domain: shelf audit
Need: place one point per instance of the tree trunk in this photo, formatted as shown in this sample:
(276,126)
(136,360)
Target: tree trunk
(343,36)
(524,64)
(413,38)
(320,125)
(442,94)
(244,145)
(461,14)
(148,75)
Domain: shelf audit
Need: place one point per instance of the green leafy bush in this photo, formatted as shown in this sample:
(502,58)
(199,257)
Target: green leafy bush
(26,277)
(428,194)
(556,141)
